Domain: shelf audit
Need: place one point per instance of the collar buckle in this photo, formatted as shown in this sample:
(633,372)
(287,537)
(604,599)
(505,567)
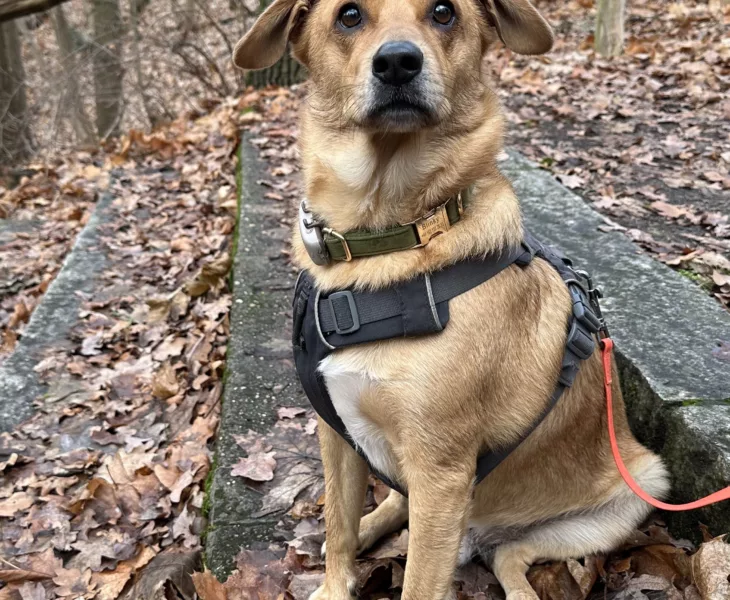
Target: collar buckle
(311,233)
(432,225)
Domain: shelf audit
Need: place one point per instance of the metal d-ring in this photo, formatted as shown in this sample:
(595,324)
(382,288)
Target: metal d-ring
(345,245)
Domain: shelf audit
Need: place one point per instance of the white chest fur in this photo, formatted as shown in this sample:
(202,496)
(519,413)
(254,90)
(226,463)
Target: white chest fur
(347,386)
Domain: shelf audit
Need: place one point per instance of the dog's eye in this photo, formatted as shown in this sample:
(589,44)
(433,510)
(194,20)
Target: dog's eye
(350,16)
(443,13)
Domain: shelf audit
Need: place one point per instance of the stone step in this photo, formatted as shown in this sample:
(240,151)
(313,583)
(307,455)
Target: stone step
(51,321)
(260,369)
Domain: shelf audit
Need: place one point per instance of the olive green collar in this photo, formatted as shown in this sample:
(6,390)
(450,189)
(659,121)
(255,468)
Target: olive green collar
(324,244)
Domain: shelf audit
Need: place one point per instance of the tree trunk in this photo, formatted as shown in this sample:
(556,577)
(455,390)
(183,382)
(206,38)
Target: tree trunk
(15,138)
(108,71)
(610,27)
(71,101)
(284,73)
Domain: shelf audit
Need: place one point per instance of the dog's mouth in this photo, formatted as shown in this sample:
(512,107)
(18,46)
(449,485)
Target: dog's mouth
(400,112)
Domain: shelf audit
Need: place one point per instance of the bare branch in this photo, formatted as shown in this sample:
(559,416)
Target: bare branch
(12,9)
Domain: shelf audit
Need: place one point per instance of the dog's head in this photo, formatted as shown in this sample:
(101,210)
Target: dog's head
(393,65)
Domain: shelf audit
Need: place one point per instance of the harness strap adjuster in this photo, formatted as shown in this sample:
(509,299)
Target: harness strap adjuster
(580,342)
(582,310)
(344,323)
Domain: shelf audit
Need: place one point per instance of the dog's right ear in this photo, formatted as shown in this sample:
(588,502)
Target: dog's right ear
(265,43)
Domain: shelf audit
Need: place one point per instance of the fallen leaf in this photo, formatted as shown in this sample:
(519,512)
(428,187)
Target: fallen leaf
(290,412)
(711,569)
(18,502)
(257,467)
(208,587)
(165,384)
(174,571)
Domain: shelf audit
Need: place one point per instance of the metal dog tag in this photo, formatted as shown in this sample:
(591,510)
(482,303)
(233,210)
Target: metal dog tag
(312,236)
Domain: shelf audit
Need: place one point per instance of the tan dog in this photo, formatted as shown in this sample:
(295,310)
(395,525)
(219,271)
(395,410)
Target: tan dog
(400,117)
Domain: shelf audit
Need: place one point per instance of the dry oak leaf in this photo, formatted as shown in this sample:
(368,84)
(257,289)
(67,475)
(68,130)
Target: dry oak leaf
(168,574)
(257,467)
(720,279)
(18,502)
(394,546)
(711,570)
(18,574)
(571,181)
(32,591)
(74,583)
(554,581)
(172,346)
(111,583)
(210,276)
(165,384)
(286,412)
(208,587)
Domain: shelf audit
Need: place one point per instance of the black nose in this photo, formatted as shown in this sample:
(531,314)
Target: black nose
(397,63)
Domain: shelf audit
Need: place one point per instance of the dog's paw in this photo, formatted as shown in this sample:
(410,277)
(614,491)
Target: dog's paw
(324,593)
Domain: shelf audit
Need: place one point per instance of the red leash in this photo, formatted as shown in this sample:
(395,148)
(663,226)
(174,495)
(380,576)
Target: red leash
(606,349)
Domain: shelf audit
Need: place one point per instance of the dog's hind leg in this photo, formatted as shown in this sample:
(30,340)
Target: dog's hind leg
(346,477)
(592,531)
(390,516)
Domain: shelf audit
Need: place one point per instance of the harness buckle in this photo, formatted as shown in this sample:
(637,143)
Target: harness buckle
(347,295)
(431,225)
(594,296)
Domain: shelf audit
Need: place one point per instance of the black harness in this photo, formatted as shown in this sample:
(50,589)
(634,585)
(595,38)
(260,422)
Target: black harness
(420,306)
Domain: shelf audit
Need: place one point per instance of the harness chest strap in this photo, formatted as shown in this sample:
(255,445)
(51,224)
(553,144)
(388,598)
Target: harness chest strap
(325,323)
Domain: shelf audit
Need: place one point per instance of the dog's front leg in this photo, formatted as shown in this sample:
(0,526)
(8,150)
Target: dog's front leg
(439,503)
(346,478)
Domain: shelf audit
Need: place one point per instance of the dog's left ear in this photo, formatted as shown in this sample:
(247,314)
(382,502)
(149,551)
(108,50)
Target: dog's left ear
(520,26)
(265,43)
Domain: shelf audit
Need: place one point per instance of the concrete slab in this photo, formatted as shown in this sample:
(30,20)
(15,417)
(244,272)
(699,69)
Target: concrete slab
(51,321)
(260,372)
(667,334)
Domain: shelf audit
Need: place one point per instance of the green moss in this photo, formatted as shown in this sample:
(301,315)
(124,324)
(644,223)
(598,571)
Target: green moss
(205,509)
(239,193)
(692,402)
(207,485)
(704,282)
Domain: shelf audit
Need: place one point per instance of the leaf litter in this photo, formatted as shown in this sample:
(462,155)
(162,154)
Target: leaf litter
(102,490)
(643,137)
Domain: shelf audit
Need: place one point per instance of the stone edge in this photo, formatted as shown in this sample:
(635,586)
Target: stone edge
(52,320)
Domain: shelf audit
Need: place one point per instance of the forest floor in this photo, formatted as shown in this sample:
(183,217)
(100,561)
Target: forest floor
(102,491)
(645,137)
(102,494)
